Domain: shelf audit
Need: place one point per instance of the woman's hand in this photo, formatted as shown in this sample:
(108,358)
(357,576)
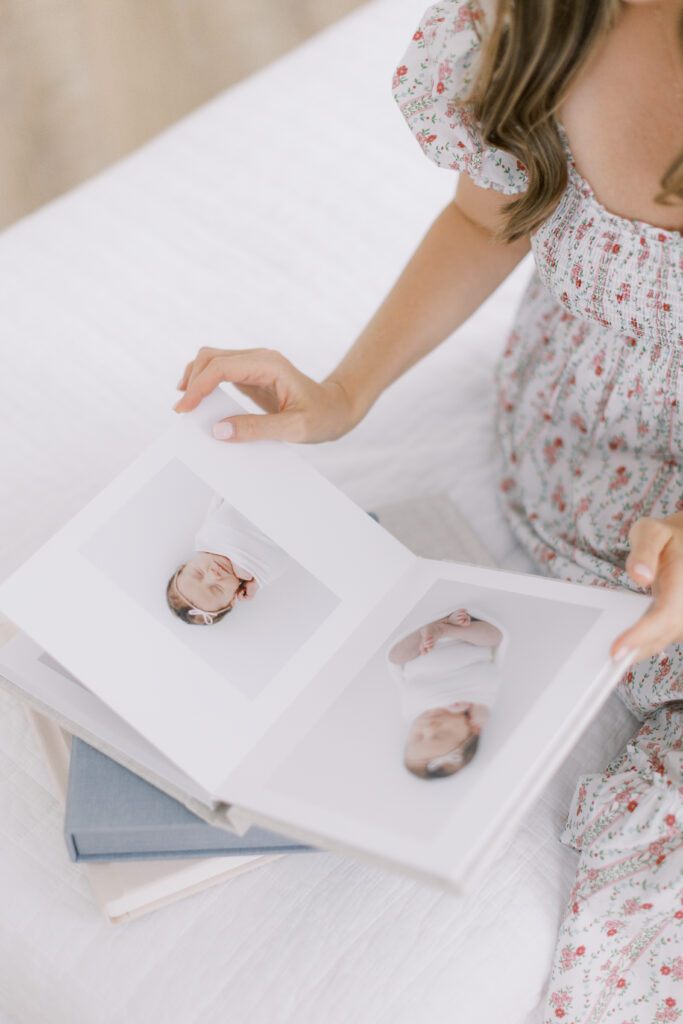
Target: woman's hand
(297,407)
(656,560)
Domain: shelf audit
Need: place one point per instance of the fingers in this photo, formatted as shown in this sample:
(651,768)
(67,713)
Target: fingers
(260,367)
(655,630)
(204,355)
(479,716)
(280,426)
(647,538)
(655,558)
(298,409)
(206,373)
(257,368)
(427,641)
(182,383)
(662,623)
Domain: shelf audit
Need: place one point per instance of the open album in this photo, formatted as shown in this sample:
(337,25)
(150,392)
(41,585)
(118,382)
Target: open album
(224,619)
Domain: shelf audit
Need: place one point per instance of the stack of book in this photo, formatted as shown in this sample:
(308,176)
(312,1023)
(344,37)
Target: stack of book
(377,689)
(142,849)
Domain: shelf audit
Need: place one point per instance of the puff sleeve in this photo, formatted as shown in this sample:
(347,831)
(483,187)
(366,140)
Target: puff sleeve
(430,85)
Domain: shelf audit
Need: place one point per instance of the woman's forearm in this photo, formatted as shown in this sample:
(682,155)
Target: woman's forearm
(457,265)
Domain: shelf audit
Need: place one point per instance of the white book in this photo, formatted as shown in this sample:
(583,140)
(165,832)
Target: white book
(298,709)
(127,889)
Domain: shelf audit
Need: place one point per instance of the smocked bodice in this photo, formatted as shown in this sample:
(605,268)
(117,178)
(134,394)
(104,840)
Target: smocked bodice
(623,274)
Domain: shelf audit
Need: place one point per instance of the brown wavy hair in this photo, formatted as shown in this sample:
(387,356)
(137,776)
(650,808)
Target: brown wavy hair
(531,55)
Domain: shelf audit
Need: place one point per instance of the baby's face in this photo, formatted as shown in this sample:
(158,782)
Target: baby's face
(208,581)
(434,733)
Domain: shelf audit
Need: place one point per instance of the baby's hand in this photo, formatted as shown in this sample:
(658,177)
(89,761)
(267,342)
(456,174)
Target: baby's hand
(461,617)
(250,588)
(479,716)
(428,637)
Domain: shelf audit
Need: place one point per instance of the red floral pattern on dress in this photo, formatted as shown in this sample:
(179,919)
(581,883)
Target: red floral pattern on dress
(431,86)
(588,418)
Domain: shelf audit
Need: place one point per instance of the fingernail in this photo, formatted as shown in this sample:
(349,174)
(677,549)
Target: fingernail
(175,407)
(620,653)
(222,431)
(179,384)
(643,570)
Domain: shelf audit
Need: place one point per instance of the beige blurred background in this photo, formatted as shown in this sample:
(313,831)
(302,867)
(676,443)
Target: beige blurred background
(82,82)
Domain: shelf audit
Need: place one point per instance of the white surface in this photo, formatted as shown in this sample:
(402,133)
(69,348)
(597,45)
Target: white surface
(155,674)
(278,215)
(127,889)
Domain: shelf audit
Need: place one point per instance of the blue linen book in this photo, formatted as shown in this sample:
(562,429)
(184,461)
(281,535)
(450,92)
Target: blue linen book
(113,814)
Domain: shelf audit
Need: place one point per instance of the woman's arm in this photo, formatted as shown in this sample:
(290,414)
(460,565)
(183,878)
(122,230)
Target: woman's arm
(457,265)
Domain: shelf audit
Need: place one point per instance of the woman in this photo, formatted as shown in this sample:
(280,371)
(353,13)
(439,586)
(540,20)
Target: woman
(575,110)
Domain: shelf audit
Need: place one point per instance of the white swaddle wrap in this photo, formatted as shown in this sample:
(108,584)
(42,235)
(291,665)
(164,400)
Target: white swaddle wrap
(453,672)
(225,531)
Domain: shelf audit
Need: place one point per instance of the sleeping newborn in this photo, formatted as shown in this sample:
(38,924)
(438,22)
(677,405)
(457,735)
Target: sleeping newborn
(448,680)
(234,560)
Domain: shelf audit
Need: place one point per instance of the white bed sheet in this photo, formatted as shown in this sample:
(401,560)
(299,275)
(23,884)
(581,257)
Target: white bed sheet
(277,215)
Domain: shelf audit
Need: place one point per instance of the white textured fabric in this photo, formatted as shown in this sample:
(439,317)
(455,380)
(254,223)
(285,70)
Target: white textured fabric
(207,237)
(253,555)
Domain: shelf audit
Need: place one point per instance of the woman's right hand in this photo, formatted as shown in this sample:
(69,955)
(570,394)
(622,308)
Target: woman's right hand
(297,407)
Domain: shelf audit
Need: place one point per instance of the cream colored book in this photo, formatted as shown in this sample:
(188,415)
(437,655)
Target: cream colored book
(128,889)
(224,618)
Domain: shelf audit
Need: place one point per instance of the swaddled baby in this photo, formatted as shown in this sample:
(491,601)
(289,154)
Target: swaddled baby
(234,560)
(448,680)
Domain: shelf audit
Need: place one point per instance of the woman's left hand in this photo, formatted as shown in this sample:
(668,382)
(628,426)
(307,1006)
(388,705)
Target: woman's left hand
(656,560)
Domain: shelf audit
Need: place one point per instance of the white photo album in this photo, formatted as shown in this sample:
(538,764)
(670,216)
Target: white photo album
(223,616)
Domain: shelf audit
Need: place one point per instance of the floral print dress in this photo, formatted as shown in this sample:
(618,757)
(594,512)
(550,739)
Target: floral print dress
(589,389)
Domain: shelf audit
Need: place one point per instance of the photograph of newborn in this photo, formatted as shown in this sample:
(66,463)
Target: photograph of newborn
(448,679)
(422,724)
(232,562)
(189,557)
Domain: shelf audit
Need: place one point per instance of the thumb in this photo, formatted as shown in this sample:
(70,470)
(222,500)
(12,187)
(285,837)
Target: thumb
(280,426)
(648,537)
